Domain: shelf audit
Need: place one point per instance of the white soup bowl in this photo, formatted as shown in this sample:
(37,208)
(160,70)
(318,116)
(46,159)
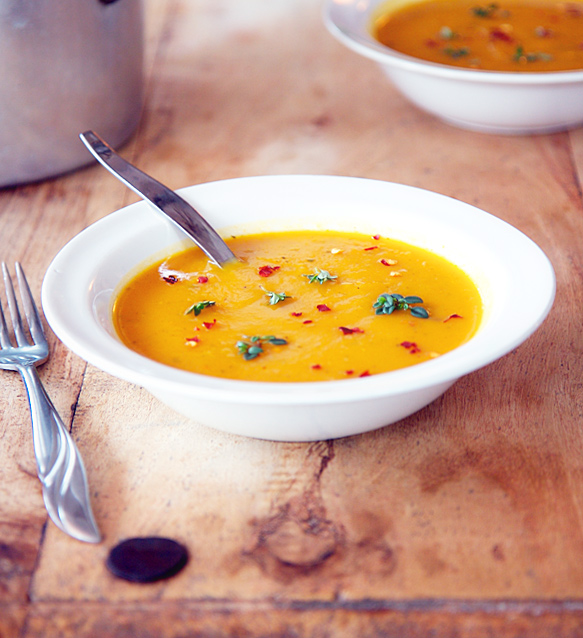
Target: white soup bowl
(514,277)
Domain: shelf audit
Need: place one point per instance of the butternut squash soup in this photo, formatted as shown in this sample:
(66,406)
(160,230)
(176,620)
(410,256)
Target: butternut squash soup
(512,35)
(299,306)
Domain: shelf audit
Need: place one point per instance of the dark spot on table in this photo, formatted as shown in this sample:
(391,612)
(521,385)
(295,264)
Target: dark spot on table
(146,560)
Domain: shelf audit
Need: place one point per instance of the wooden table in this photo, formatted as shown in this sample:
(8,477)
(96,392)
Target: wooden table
(464,520)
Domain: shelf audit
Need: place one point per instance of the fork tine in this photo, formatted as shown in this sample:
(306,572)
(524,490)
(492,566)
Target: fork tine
(32,314)
(19,334)
(4,336)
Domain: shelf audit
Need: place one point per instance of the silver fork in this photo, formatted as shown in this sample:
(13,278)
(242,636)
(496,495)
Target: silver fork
(59,464)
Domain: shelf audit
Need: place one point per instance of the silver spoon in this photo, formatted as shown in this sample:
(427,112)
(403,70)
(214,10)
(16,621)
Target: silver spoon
(164,200)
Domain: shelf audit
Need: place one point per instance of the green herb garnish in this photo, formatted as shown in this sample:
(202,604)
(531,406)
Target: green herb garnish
(485,12)
(520,54)
(447,33)
(252,348)
(320,276)
(387,303)
(275,297)
(458,52)
(198,307)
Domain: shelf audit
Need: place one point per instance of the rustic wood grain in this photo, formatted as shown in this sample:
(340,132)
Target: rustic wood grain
(464,520)
(273,620)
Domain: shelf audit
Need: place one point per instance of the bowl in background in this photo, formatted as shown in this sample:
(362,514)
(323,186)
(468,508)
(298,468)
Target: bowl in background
(514,277)
(487,101)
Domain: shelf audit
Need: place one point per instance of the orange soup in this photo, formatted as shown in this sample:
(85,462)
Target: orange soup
(299,306)
(511,35)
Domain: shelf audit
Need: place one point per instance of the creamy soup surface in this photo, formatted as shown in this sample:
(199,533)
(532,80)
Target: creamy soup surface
(299,306)
(512,35)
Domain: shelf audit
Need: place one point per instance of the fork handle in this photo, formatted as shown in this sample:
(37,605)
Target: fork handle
(59,463)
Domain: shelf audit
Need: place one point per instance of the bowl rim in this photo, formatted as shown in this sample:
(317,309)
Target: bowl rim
(347,21)
(69,279)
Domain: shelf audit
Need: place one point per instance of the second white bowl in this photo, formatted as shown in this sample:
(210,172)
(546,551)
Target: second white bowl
(487,101)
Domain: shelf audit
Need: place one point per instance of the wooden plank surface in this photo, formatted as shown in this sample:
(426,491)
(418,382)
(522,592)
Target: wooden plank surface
(462,520)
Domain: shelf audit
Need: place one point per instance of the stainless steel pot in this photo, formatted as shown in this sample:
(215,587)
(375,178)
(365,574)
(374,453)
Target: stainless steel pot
(66,66)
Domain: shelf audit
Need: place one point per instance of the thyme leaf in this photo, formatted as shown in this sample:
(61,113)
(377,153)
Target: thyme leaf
(447,33)
(198,307)
(387,303)
(320,276)
(521,55)
(458,52)
(485,12)
(253,347)
(275,297)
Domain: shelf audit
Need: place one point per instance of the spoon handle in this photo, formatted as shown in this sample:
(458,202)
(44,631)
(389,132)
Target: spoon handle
(166,201)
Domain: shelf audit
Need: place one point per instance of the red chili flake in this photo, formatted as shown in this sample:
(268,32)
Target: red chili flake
(297,314)
(349,331)
(322,307)
(349,372)
(573,10)
(371,248)
(430,43)
(209,324)
(266,271)
(452,317)
(366,373)
(543,32)
(376,237)
(202,279)
(170,279)
(192,341)
(316,366)
(411,346)
(384,262)
(498,34)
(308,321)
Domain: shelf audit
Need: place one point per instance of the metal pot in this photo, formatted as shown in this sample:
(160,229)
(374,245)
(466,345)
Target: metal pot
(66,66)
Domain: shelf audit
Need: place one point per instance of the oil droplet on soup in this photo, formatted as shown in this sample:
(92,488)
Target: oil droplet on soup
(516,35)
(299,306)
